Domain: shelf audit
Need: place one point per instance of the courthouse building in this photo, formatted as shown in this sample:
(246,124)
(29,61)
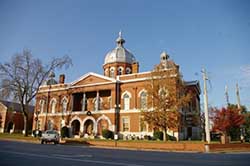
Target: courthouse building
(111,101)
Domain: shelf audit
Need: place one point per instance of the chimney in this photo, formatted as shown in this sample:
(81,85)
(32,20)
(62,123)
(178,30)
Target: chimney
(135,67)
(61,79)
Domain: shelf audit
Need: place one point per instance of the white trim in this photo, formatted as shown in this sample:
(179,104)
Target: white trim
(130,111)
(94,84)
(112,68)
(140,79)
(129,94)
(91,74)
(105,118)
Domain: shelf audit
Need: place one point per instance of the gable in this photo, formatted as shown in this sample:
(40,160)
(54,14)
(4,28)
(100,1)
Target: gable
(92,78)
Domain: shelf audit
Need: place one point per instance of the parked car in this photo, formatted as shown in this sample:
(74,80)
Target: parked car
(50,136)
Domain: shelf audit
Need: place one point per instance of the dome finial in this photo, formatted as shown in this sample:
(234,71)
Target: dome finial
(120,34)
(120,40)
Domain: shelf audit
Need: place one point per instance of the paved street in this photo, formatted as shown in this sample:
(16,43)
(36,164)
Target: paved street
(23,154)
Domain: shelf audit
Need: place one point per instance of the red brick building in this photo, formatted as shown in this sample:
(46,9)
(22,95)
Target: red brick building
(11,117)
(111,101)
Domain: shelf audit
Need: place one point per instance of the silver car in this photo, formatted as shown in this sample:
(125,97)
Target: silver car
(50,136)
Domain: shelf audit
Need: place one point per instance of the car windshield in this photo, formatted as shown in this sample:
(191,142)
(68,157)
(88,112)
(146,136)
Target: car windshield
(51,132)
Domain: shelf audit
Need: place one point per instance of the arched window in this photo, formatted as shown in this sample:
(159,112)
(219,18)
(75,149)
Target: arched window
(64,105)
(112,73)
(41,104)
(143,100)
(126,99)
(53,106)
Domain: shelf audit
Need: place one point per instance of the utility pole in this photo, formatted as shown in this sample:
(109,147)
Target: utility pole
(207,125)
(226,95)
(239,107)
(238,97)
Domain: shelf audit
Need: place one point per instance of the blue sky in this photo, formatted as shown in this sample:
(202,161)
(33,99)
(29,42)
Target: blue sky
(214,34)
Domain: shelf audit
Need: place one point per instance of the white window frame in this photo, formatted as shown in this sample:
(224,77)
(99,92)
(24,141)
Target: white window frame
(64,104)
(126,100)
(41,105)
(143,98)
(112,72)
(53,103)
(123,124)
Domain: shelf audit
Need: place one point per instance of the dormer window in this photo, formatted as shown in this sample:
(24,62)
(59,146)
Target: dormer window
(128,70)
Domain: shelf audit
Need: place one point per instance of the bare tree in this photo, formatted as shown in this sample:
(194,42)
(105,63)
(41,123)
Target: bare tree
(23,75)
(166,96)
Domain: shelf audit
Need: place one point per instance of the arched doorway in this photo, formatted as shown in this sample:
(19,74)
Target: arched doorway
(88,127)
(75,125)
(102,124)
(10,126)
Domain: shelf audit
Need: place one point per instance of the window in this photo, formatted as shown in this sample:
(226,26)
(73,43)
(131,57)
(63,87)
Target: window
(128,70)
(120,69)
(143,100)
(42,102)
(53,106)
(125,124)
(64,105)
(112,73)
(143,126)
(126,101)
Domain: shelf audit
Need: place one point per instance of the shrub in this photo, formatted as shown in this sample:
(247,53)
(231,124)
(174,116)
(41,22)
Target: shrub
(107,134)
(171,138)
(64,132)
(147,137)
(37,134)
(158,135)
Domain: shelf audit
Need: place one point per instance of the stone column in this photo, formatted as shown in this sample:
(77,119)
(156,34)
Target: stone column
(97,101)
(84,101)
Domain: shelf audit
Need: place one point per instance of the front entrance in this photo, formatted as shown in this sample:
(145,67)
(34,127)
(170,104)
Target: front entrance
(75,125)
(88,127)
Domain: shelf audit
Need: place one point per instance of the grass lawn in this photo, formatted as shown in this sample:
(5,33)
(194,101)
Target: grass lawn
(17,137)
